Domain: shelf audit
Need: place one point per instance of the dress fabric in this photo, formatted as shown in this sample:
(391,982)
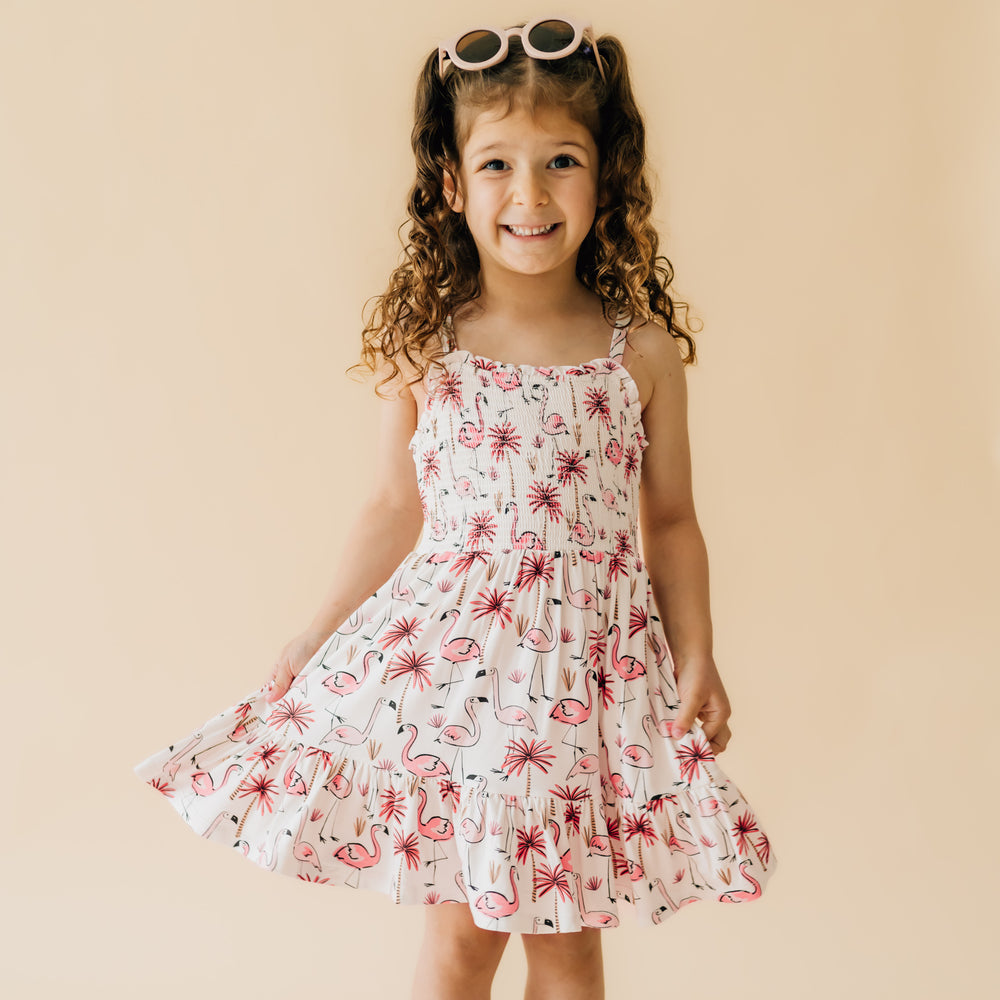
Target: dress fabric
(490,726)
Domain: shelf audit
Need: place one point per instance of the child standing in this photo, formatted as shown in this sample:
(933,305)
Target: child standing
(509,722)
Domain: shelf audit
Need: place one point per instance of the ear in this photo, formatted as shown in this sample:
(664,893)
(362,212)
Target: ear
(602,198)
(452,193)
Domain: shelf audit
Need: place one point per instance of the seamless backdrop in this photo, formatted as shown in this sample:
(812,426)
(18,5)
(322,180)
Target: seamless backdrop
(197,198)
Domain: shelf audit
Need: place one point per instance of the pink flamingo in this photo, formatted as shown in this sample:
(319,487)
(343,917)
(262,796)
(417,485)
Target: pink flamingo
(496,904)
(687,847)
(508,380)
(201,781)
(527,539)
(580,533)
(239,734)
(432,559)
(357,855)
(628,667)
(541,642)
(613,449)
(573,712)
(458,736)
(639,757)
(342,683)
(553,423)
(585,765)
(458,650)
(659,726)
(340,787)
(173,763)
(620,785)
(302,851)
(294,783)
(436,829)
(565,859)
(211,828)
(508,715)
(582,598)
(601,847)
(710,807)
(591,918)
(424,766)
(473,832)
(350,734)
(469,433)
(739,895)
(658,883)
(400,590)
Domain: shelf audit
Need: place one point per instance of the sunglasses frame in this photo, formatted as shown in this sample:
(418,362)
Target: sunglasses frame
(582,32)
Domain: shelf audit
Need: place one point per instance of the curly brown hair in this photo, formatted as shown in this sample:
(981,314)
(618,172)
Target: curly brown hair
(440,271)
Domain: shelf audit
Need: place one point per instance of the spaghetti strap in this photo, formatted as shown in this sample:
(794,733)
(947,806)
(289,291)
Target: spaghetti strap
(617,349)
(448,335)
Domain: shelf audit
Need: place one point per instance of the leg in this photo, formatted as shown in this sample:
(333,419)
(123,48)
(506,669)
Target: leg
(564,966)
(458,959)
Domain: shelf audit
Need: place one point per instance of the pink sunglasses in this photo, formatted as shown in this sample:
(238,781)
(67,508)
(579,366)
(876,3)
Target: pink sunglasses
(544,38)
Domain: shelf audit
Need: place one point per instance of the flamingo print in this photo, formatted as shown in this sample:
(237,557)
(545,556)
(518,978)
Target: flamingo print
(507,715)
(740,894)
(424,766)
(496,904)
(439,777)
(581,533)
(436,829)
(541,641)
(573,712)
(524,539)
(461,649)
(553,423)
(357,856)
(301,851)
(341,683)
(458,736)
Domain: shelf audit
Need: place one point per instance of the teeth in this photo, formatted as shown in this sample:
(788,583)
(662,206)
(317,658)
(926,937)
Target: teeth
(528,231)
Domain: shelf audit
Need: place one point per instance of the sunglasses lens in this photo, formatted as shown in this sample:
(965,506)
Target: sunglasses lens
(477,46)
(552,36)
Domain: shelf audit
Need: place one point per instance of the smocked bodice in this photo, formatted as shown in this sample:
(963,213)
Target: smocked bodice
(523,457)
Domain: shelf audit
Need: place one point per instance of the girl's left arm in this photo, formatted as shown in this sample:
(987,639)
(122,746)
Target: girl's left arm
(673,546)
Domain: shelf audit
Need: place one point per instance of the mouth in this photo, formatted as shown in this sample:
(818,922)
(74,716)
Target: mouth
(532,232)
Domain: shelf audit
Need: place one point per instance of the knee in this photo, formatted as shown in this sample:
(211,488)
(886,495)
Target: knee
(576,948)
(455,933)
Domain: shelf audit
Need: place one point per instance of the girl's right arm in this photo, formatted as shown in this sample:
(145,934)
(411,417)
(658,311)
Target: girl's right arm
(386,528)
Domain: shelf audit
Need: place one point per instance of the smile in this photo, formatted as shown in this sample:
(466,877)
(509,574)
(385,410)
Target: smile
(531,230)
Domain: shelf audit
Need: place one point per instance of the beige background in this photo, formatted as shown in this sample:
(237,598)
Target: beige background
(197,198)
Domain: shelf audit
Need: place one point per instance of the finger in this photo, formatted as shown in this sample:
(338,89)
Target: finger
(684,720)
(278,684)
(718,736)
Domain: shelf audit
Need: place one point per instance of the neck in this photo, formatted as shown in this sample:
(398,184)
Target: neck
(527,299)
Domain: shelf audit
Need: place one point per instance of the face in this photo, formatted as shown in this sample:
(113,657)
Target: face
(522,173)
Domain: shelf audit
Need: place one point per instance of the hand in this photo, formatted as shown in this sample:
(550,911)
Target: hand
(296,654)
(702,696)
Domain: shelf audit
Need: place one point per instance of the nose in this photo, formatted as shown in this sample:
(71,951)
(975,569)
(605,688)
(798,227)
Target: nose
(529,189)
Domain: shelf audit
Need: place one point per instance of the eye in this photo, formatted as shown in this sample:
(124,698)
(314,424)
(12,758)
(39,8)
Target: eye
(564,156)
(488,165)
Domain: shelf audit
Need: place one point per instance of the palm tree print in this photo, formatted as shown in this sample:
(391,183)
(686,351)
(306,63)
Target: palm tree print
(528,585)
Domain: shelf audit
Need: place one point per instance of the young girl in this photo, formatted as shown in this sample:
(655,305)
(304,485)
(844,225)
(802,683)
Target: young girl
(509,723)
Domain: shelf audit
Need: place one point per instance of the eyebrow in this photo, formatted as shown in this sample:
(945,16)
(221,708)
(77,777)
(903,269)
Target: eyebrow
(479,150)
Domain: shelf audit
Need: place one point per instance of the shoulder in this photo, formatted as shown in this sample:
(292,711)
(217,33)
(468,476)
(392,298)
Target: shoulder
(408,382)
(652,358)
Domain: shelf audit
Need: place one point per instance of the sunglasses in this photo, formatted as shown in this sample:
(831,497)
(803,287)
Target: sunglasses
(545,38)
